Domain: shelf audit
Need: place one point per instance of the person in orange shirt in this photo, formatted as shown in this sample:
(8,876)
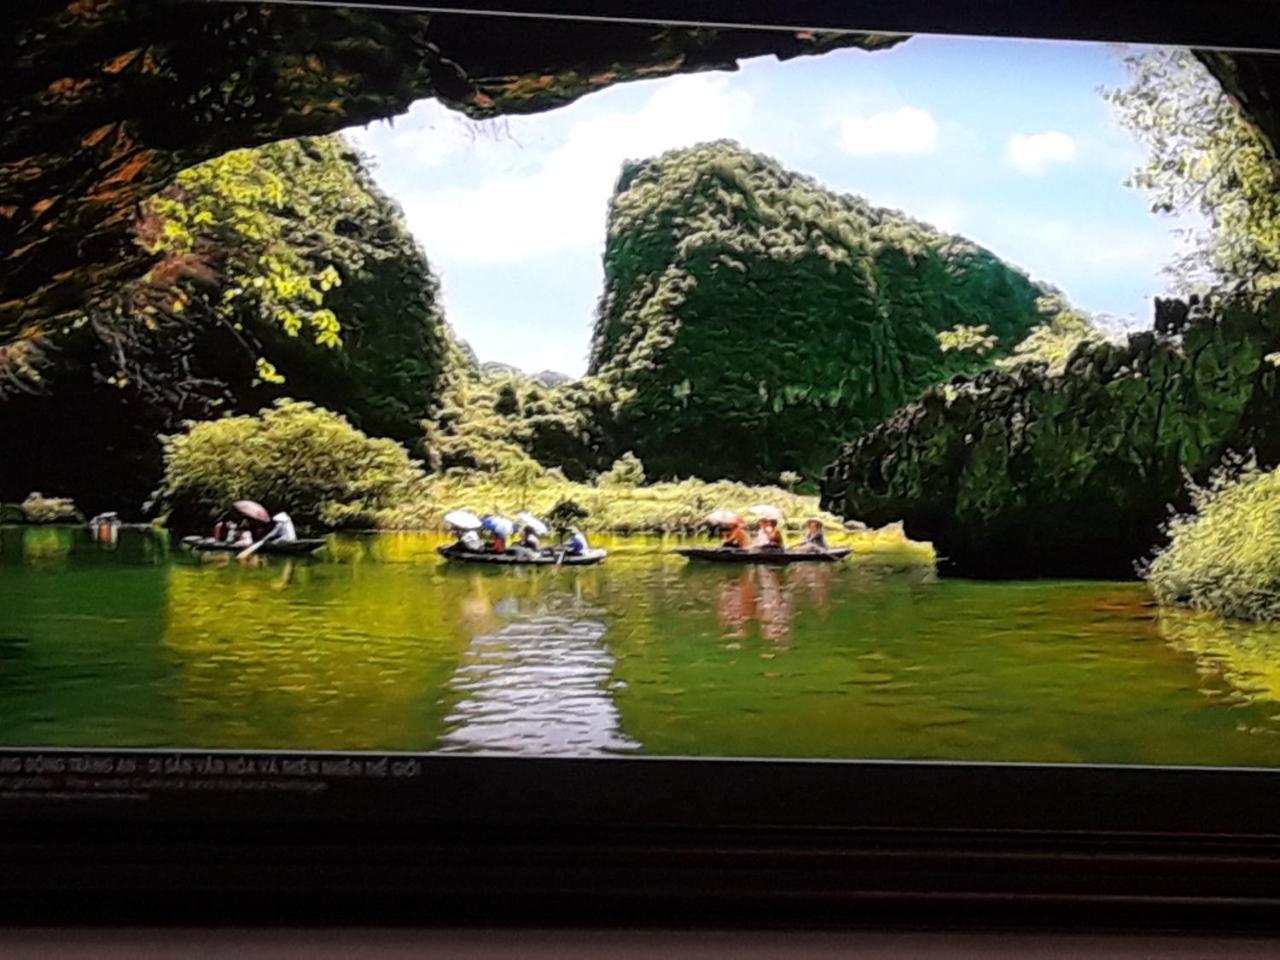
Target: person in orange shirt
(736,538)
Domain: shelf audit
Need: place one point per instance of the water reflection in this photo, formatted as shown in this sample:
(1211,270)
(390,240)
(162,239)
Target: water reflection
(538,684)
(376,644)
(53,547)
(1237,662)
(768,598)
(309,655)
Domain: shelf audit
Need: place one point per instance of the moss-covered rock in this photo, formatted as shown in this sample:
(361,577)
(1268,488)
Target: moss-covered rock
(387,374)
(1023,472)
(752,320)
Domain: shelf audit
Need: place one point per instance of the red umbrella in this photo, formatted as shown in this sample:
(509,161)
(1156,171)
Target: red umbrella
(252,510)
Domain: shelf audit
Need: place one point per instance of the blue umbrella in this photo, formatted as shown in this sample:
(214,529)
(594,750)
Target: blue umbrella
(499,525)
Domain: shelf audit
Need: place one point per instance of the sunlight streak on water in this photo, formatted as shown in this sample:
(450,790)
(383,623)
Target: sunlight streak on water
(535,687)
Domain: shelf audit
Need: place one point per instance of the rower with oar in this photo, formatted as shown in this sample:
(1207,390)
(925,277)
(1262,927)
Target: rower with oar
(815,535)
(282,531)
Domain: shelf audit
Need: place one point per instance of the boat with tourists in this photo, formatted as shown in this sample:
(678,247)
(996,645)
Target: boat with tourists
(519,558)
(763,555)
(489,540)
(767,547)
(247,528)
(289,548)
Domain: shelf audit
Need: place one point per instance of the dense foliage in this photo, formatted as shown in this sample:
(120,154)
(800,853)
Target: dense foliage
(1224,556)
(1025,471)
(291,456)
(627,471)
(250,243)
(482,420)
(1054,341)
(1203,156)
(1051,342)
(752,320)
(319,277)
(1064,460)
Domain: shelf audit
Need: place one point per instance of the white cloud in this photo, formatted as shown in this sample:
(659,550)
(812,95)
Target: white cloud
(907,130)
(429,135)
(560,200)
(1032,153)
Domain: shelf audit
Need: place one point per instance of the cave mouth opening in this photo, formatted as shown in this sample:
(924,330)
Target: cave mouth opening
(225,87)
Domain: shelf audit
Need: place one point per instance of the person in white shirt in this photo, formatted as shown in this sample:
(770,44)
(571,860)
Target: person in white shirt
(283,531)
(577,544)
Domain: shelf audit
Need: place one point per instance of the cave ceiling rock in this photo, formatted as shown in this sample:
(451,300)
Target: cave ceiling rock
(104,101)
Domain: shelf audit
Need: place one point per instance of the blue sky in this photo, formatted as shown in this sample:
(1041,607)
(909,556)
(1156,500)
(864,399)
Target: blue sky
(1005,141)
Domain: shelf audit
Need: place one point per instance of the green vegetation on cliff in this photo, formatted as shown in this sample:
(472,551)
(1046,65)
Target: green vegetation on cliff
(1026,471)
(752,320)
(1224,556)
(1066,461)
(285,261)
(318,277)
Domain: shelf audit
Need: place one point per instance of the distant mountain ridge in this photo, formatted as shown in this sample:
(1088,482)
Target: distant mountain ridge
(548,378)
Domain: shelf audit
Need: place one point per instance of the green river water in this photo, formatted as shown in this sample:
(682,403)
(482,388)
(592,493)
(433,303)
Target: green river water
(378,644)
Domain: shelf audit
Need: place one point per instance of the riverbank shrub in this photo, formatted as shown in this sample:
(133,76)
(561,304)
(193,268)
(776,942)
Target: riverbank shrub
(1224,556)
(292,456)
(567,514)
(627,471)
(37,508)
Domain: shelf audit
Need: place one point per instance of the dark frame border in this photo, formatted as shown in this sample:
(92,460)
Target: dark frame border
(1225,24)
(691,840)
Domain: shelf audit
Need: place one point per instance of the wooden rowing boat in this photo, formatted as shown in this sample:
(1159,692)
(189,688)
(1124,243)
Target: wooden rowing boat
(293,548)
(779,557)
(545,558)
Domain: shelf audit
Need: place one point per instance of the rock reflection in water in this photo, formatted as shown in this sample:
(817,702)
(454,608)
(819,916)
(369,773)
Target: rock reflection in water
(538,685)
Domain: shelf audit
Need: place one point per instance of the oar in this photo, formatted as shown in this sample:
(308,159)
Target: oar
(250,550)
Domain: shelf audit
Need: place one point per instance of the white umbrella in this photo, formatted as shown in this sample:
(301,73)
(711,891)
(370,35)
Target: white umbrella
(526,519)
(462,520)
(767,511)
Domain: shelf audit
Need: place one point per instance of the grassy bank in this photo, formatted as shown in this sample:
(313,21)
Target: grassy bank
(329,476)
(679,507)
